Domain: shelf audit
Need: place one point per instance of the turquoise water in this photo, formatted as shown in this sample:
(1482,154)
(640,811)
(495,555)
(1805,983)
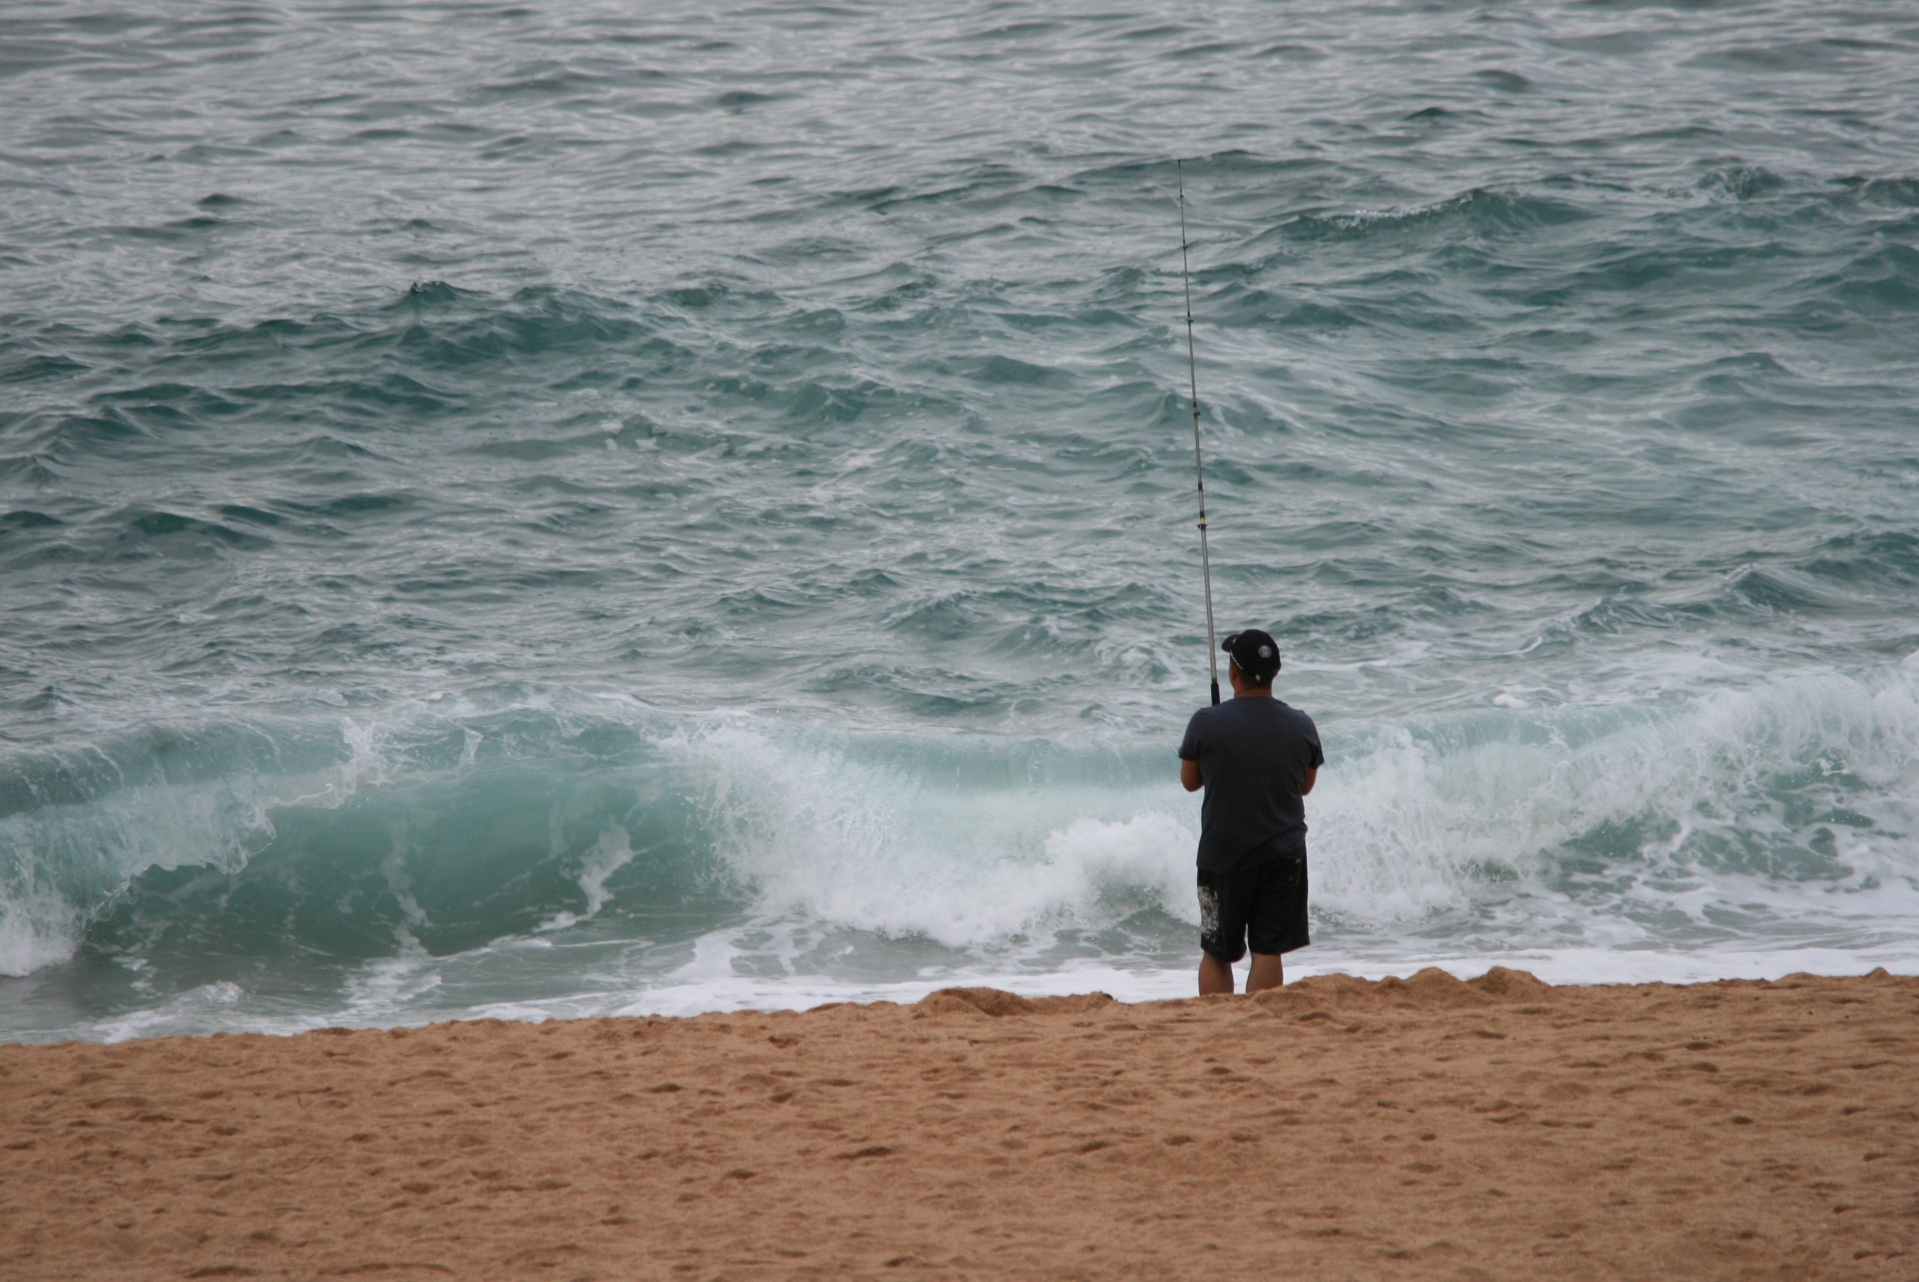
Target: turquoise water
(571,508)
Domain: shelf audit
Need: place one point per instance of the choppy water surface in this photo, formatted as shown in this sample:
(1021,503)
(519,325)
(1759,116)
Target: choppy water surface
(580,507)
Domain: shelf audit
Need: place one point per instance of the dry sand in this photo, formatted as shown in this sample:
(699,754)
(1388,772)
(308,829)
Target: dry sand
(1334,1130)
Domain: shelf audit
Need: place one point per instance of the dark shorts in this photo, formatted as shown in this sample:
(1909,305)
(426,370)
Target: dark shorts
(1265,903)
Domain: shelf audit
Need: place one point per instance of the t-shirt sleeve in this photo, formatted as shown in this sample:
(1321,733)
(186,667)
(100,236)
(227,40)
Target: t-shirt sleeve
(1318,757)
(1189,746)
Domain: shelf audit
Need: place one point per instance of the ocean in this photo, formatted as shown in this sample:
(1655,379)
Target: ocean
(554,509)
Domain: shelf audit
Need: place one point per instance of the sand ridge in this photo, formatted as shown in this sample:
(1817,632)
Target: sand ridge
(1335,1129)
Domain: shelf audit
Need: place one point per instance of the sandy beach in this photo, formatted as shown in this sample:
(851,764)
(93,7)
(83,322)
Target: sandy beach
(1338,1129)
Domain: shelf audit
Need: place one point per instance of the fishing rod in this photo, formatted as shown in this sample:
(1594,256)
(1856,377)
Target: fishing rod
(1199,468)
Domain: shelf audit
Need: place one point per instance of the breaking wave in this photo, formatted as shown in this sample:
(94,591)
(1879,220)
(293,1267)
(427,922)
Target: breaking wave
(1759,814)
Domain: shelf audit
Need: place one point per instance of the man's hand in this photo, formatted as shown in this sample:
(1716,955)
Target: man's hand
(1189,775)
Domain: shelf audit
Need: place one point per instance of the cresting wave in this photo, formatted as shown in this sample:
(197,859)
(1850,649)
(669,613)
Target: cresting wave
(1754,816)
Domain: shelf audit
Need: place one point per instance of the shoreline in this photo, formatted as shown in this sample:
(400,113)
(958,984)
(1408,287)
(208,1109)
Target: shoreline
(745,994)
(1345,1128)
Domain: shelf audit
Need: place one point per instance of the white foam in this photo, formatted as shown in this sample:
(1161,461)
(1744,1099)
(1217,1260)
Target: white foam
(1409,824)
(36,929)
(208,1006)
(69,860)
(874,849)
(1472,815)
(715,989)
(610,853)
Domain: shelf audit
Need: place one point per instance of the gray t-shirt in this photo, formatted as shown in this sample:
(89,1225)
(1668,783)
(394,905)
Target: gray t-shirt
(1253,754)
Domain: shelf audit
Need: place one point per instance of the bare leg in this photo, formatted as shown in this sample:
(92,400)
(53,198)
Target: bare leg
(1215,976)
(1267,972)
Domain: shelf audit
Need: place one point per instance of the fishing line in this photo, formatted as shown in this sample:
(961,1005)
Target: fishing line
(1199,468)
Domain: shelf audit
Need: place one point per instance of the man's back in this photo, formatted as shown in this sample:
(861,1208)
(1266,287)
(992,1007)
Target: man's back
(1254,754)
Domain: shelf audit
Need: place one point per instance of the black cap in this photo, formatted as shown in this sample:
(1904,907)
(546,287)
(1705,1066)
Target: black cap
(1256,654)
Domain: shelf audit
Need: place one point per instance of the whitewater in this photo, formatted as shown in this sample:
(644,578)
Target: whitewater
(564,509)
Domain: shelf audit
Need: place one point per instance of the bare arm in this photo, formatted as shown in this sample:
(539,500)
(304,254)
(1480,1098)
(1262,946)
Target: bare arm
(1306,784)
(1189,775)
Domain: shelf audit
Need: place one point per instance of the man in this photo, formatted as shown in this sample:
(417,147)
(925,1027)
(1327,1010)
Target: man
(1256,757)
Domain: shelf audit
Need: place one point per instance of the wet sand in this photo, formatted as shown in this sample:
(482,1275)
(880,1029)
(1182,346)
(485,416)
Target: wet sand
(1338,1129)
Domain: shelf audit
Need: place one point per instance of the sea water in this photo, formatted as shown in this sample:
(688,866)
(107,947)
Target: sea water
(569,508)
